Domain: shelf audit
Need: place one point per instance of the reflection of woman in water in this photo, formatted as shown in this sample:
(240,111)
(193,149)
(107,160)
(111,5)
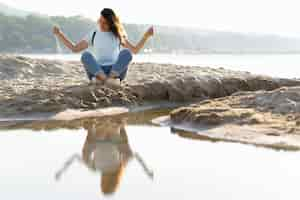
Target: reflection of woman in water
(106,149)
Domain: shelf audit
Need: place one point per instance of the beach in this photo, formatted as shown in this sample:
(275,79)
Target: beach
(200,96)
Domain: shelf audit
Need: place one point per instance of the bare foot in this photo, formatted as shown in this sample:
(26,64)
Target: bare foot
(96,81)
(113,75)
(113,83)
(101,77)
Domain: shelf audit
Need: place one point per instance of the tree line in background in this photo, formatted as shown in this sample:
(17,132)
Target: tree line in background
(33,34)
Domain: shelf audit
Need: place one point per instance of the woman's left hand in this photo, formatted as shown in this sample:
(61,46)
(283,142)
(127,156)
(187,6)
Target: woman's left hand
(150,32)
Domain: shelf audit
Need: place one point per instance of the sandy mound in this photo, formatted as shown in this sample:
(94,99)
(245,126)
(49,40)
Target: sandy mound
(32,85)
(270,118)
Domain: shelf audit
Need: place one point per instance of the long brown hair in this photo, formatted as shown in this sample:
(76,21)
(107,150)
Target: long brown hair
(111,181)
(114,24)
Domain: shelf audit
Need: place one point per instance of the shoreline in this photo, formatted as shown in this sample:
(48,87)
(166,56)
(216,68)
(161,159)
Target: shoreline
(50,116)
(233,134)
(253,105)
(163,53)
(264,118)
(40,85)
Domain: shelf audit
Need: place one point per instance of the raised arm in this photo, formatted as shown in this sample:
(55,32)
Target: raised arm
(75,48)
(136,48)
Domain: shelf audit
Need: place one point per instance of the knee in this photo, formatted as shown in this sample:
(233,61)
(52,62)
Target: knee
(85,57)
(126,53)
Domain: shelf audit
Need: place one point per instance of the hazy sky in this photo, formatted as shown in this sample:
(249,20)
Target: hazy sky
(262,16)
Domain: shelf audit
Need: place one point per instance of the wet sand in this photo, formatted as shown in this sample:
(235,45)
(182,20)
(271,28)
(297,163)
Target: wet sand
(42,86)
(265,118)
(217,103)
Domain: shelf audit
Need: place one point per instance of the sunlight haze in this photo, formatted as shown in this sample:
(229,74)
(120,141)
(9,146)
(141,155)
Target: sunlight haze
(261,16)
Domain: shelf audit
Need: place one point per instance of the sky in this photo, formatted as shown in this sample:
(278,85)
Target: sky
(260,16)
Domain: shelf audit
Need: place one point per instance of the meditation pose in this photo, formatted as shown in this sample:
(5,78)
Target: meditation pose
(109,50)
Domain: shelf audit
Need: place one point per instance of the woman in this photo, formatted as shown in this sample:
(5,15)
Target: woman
(108,61)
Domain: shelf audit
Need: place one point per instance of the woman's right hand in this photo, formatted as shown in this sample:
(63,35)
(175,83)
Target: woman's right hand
(56,30)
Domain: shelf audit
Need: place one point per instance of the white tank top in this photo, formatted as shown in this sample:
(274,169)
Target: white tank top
(106,46)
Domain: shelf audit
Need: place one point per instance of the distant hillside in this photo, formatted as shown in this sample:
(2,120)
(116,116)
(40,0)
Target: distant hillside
(33,34)
(9,11)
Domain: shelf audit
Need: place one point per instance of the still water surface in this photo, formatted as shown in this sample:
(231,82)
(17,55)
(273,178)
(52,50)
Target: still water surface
(278,65)
(127,157)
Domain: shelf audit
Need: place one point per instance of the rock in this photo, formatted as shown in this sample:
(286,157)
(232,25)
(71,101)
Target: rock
(105,101)
(248,117)
(139,90)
